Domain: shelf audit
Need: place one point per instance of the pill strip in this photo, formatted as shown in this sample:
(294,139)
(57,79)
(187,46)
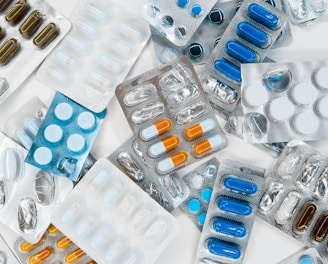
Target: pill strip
(137,231)
(28,195)
(283,101)
(170,116)
(6,255)
(200,182)
(307,256)
(231,213)
(65,137)
(29,31)
(90,63)
(295,193)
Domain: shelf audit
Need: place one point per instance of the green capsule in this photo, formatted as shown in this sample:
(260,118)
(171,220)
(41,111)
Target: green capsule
(46,36)
(31,24)
(8,50)
(17,12)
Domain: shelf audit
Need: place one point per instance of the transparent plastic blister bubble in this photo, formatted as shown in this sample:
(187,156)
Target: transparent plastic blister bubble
(90,63)
(231,213)
(176,126)
(30,29)
(168,190)
(303,256)
(137,231)
(53,247)
(28,195)
(6,255)
(62,142)
(295,195)
(247,39)
(200,182)
(284,101)
(178,21)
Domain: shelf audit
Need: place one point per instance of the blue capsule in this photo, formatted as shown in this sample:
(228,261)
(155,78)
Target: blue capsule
(240,52)
(253,34)
(235,206)
(228,227)
(263,16)
(239,185)
(228,69)
(222,248)
(183,3)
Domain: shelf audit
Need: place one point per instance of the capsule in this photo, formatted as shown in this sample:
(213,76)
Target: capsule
(74,256)
(263,16)
(240,52)
(40,256)
(196,131)
(91,262)
(211,144)
(163,146)
(31,24)
(46,36)
(63,243)
(320,231)
(239,185)
(157,129)
(253,34)
(229,227)
(234,206)
(305,216)
(17,12)
(2,33)
(52,230)
(4,4)
(27,247)
(169,164)
(228,69)
(8,50)
(223,248)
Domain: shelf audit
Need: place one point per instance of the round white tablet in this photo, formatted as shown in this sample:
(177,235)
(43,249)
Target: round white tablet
(75,142)
(86,120)
(306,123)
(322,107)
(255,95)
(53,133)
(42,155)
(63,111)
(303,93)
(197,180)
(280,109)
(321,77)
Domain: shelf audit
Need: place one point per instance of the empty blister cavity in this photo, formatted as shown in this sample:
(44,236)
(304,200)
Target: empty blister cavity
(3,193)
(277,80)
(309,170)
(148,112)
(12,164)
(287,208)
(298,9)
(44,187)
(270,197)
(173,185)
(190,113)
(139,95)
(26,215)
(321,188)
(220,91)
(256,124)
(130,166)
(291,162)
(183,95)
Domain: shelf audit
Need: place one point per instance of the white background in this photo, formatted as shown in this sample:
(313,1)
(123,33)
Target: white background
(266,244)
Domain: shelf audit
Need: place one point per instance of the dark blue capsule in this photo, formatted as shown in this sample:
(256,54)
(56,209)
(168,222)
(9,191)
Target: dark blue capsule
(253,34)
(263,16)
(240,52)
(239,185)
(234,206)
(222,248)
(228,227)
(228,69)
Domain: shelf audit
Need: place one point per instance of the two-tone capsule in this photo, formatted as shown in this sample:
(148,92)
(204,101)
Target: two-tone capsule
(8,50)
(210,144)
(228,69)
(165,145)
(46,36)
(196,131)
(40,256)
(241,52)
(222,248)
(31,24)
(17,12)
(158,128)
(74,256)
(239,185)
(169,164)
(252,34)
(234,206)
(263,16)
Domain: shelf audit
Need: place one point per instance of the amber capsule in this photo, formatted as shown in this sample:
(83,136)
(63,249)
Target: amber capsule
(4,4)
(63,243)
(169,164)
(211,144)
(27,247)
(2,33)
(52,230)
(157,129)
(46,36)
(8,50)
(31,24)
(305,216)
(74,256)
(320,230)
(17,12)
(165,145)
(41,256)
(196,131)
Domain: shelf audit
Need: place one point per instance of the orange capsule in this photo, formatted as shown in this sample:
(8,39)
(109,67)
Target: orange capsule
(26,247)
(196,131)
(63,243)
(210,144)
(52,230)
(169,164)
(163,146)
(157,129)
(74,256)
(92,262)
(40,256)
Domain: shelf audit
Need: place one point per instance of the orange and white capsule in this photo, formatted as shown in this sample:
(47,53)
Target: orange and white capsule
(52,230)
(155,130)
(163,146)
(74,256)
(169,164)
(63,243)
(40,256)
(27,247)
(210,144)
(196,131)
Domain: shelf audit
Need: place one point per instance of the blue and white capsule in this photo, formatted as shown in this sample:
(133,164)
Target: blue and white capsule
(234,206)
(263,16)
(241,52)
(228,69)
(252,34)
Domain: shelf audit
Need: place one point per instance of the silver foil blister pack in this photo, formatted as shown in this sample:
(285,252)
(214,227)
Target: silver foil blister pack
(231,213)
(303,256)
(168,190)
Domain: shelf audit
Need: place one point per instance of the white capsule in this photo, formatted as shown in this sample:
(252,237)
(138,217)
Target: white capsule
(84,225)
(70,213)
(57,75)
(23,138)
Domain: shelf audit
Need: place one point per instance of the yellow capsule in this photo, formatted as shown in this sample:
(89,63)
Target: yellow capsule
(31,24)
(91,262)
(63,243)
(4,4)
(8,50)
(17,12)
(46,36)
(40,256)
(74,256)
(27,247)
(52,230)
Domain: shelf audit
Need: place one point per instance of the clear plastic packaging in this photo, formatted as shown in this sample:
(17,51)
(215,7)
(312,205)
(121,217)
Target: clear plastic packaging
(304,256)
(6,255)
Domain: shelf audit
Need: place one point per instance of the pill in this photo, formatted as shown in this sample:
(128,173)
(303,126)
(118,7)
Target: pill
(8,50)
(40,256)
(240,52)
(211,144)
(12,164)
(67,60)
(305,216)
(24,139)
(63,111)
(234,206)
(169,164)
(223,248)
(216,16)
(255,95)
(86,120)
(31,24)
(70,212)
(42,155)
(306,123)
(157,129)
(280,109)
(206,195)
(46,36)
(183,3)
(253,34)
(287,208)
(197,181)
(17,12)
(74,255)
(27,247)
(53,133)
(322,106)
(33,126)
(306,260)
(321,77)
(4,4)
(303,93)
(228,69)
(165,145)
(196,131)
(320,230)
(229,227)
(194,205)
(263,16)
(201,218)
(75,142)
(89,30)
(196,10)
(58,75)
(52,230)
(97,12)
(2,33)
(240,185)
(63,243)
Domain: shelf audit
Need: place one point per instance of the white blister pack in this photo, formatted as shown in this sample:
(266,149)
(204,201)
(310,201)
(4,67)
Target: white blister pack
(304,256)
(28,196)
(97,54)
(116,222)
(6,255)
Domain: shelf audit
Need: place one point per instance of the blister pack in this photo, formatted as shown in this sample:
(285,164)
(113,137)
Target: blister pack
(29,31)
(170,116)
(53,247)
(247,39)
(304,256)
(28,196)
(90,63)
(295,195)
(168,190)
(65,138)
(284,101)
(138,231)
(231,213)
(178,20)
(200,182)
(6,255)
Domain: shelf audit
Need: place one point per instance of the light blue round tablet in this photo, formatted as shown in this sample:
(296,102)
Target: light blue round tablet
(42,155)
(53,133)
(193,205)
(75,142)
(196,10)
(63,111)
(183,3)
(201,218)
(206,195)
(86,120)
(306,260)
